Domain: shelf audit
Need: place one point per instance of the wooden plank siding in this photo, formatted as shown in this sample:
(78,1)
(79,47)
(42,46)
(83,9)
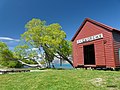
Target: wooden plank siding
(116,42)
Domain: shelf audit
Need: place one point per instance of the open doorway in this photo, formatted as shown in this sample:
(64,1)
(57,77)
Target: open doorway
(89,55)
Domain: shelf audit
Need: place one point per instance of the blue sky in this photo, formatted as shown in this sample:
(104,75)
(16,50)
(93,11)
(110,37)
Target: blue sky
(14,14)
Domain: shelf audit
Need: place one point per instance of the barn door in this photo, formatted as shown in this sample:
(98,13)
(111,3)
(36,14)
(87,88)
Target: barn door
(89,55)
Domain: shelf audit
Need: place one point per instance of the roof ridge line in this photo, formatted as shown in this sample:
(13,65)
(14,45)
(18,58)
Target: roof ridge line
(96,23)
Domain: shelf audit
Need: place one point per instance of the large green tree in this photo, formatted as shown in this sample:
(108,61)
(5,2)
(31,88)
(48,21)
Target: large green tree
(27,56)
(7,58)
(50,39)
(22,55)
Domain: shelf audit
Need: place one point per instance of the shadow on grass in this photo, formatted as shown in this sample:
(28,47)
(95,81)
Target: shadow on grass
(56,68)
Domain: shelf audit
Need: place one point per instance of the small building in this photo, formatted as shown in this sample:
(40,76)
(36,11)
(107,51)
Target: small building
(96,45)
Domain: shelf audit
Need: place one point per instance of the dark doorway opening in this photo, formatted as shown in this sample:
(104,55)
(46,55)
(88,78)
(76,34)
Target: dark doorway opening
(89,55)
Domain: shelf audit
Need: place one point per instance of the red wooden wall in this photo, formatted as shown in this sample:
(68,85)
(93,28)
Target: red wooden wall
(116,42)
(104,50)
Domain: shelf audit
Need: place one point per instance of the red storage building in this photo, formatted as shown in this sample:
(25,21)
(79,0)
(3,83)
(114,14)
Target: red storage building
(96,45)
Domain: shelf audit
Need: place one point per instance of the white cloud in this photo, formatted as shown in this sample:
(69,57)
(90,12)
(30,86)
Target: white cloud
(11,42)
(9,39)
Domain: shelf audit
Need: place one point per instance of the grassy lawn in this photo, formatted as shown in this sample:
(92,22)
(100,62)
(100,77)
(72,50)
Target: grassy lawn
(62,80)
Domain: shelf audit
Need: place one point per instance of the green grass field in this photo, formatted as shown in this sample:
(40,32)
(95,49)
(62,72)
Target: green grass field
(62,80)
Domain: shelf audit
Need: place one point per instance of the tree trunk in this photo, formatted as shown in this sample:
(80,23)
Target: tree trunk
(66,58)
(31,65)
(49,64)
(53,65)
(60,61)
(69,61)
